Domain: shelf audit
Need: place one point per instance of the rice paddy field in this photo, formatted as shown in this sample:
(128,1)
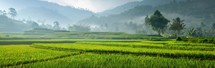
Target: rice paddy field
(105,53)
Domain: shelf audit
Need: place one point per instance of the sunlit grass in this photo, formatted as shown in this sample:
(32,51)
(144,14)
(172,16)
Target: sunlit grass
(12,54)
(192,54)
(108,54)
(121,61)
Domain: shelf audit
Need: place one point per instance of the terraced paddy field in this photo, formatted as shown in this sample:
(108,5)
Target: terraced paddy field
(107,54)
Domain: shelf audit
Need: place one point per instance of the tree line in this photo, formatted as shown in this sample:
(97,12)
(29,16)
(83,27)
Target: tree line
(163,26)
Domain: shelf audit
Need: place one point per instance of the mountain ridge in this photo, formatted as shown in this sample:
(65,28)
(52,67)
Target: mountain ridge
(194,12)
(66,14)
(131,5)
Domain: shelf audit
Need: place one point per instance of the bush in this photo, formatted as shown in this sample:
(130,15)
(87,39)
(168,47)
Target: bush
(179,39)
(203,41)
(211,41)
(193,40)
(198,40)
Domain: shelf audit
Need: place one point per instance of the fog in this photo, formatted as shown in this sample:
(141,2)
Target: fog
(92,5)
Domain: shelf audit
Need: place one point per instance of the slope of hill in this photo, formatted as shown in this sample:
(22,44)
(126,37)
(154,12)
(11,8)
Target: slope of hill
(42,10)
(192,11)
(10,25)
(131,5)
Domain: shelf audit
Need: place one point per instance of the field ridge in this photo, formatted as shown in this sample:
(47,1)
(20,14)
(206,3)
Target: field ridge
(165,46)
(166,55)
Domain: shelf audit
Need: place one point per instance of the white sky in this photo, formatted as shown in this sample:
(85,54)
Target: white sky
(92,5)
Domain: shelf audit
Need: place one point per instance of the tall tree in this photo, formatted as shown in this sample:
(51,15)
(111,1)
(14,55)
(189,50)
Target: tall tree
(56,25)
(177,26)
(191,32)
(3,12)
(12,12)
(213,29)
(213,26)
(147,22)
(158,22)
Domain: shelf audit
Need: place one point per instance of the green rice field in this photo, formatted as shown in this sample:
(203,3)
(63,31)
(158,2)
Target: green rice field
(106,54)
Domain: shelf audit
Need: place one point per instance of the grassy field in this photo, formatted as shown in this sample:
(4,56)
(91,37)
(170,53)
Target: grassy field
(105,53)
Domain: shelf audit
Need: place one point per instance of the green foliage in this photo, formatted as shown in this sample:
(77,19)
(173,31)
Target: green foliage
(97,48)
(39,31)
(20,54)
(202,40)
(211,41)
(56,25)
(1,35)
(158,22)
(191,32)
(33,41)
(200,32)
(108,54)
(12,12)
(213,26)
(147,22)
(155,45)
(120,61)
(177,26)
(179,39)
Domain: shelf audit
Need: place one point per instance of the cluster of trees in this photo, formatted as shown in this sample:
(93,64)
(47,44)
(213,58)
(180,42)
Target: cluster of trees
(197,8)
(33,24)
(162,25)
(202,31)
(190,10)
(11,12)
(8,22)
(8,19)
(157,21)
(79,28)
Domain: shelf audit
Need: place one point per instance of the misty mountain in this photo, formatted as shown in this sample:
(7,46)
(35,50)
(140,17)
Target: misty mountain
(49,12)
(192,11)
(132,5)
(10,25)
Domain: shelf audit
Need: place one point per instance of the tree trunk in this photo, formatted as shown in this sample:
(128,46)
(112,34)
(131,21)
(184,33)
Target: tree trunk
(159,32)
(178,33)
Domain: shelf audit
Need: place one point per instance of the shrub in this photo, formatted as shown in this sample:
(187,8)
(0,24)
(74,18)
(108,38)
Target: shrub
(179,39)
(211,41)
(203,41)
(197,40)
(193,40)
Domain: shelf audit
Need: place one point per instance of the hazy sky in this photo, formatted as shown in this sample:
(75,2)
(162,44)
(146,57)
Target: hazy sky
(92,5)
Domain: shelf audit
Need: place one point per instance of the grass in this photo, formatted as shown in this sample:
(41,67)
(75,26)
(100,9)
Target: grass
(90,60)
(13,54)
(102,50)
(156,45)
(9,42)
(195,54)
